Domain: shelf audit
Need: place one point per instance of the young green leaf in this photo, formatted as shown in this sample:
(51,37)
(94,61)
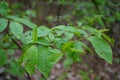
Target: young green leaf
(3,24)
(102,48)
(46,60)
(16,28)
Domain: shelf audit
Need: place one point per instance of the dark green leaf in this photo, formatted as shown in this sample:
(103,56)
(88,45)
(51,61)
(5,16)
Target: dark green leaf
(3,24)
(3,57)
(3,8)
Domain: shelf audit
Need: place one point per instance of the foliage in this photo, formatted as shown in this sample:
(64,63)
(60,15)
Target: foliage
(42,47)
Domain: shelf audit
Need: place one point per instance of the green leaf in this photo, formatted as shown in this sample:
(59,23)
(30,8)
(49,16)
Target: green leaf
(102,48)
(85,47)
(3,57)
(23,21)
(110,40)
(101,2)
(16,28)
(3,8)
(51,37)
(65,28)
(10,51)
(69,35)
(3,24)
(80,32)
(47,59)
(67,46)
(27,37)
(78,47)
(43,41)
(34,35)
(67,62)
(14,68)
(43,31)
(29,59)
(59,42)
(89,29)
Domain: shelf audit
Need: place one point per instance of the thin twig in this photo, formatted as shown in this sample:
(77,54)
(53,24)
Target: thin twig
(59,13)
(28,75)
